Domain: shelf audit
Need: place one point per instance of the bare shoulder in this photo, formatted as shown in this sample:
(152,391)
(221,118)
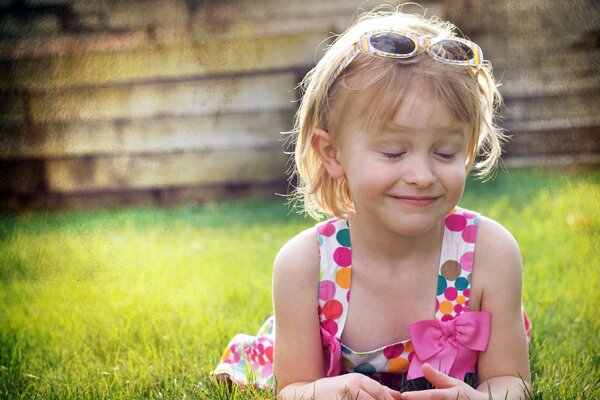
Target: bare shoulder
(497,264)
(298,259)
(495,244)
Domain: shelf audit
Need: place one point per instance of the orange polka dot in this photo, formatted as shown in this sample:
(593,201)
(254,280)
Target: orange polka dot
(408,347)
(343,277)
(398,365)
(460,299)
(446,307)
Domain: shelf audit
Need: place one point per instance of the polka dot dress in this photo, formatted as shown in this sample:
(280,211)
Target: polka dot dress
(453,289)
(249,359)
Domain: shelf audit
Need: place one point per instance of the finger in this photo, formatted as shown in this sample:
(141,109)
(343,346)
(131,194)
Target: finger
(439,379)
(431,394)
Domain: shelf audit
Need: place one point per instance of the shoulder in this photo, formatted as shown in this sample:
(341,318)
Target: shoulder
(497,269)
(296,264)
(494,241)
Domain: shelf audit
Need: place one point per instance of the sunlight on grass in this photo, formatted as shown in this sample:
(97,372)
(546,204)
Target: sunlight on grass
(140,303)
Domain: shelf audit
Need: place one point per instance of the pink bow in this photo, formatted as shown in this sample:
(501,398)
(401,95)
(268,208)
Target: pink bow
(450,346)
(332,352)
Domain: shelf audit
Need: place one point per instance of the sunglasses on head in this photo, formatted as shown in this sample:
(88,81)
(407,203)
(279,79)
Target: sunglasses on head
(400,45)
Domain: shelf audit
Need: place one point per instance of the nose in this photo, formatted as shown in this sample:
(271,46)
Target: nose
(419,172)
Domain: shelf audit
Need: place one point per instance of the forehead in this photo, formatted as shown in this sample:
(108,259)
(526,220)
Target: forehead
(414,106)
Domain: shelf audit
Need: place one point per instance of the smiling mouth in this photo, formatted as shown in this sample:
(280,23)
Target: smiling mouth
(417,201)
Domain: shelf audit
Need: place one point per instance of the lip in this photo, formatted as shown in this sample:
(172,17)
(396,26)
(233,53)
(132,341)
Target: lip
(415,201)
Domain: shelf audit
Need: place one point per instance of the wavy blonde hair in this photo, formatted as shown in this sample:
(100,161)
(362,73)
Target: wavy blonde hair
(470,94)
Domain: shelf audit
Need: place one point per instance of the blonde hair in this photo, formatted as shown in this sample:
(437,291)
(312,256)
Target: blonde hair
(470,94)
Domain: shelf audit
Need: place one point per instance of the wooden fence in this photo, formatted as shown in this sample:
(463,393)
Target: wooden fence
(156,101)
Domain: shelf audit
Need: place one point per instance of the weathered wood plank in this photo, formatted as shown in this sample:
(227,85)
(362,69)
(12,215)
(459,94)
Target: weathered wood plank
(204,133)
(195,97)
(554,141)
(163,170)
(218,57)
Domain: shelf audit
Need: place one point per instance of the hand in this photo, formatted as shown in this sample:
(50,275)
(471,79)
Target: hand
(446,387)
(353,386)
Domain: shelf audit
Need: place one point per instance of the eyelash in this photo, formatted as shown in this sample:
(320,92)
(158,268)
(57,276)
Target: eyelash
(447,156)
(392,155)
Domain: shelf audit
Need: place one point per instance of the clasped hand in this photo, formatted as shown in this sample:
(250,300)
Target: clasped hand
(357,386)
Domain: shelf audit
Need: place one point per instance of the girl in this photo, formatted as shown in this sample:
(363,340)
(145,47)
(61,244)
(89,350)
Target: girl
(413,291)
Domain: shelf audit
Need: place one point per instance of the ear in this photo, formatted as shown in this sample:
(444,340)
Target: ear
(322,144)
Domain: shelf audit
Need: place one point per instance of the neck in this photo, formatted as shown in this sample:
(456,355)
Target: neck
(389,248)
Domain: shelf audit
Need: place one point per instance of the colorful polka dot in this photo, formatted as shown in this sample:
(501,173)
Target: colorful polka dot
(365,368)
(343,237)
(466,261)
(446,307)
(342,256)
(456,222)
(326,290)
(326,229)
(393,351)
(469,234)
(442,284)
(332,309)
(460,299)
(398,365)
(461,283)
(330,326)
(450,293)
(450,270)
(343,277)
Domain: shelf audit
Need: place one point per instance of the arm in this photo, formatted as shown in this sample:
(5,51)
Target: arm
(298,352)
(504,366)
(503,369)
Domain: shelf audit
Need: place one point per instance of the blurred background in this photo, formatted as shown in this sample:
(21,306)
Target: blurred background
(112,103)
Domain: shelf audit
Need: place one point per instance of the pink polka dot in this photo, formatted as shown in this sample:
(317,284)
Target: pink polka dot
(411,355)
(437,305)
(456,222)
(326,229)
(342,256)
(466,261)
(458,308)
(320,310)
(326,290)
(393,351)
(469,215)
(330,326)
(451,293)
(447,317)
(469,234)
(467,292)
(348,296)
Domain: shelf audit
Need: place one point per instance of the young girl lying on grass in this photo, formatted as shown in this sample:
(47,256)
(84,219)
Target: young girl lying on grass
(400,289)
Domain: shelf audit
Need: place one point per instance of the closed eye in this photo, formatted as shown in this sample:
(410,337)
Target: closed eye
(446,156)
(393,155)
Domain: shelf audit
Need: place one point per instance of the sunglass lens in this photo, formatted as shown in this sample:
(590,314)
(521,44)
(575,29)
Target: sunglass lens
(393,43)
(452,50)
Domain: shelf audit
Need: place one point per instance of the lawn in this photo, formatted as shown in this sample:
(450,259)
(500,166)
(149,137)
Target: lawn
(139,303)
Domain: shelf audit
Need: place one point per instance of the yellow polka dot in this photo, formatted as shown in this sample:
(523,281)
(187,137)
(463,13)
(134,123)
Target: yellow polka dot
(226,354)
(398,365)
(343,277)
(460,299)
(446,307)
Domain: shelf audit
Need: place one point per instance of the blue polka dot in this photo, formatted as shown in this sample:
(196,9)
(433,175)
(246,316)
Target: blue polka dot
(442,285)
(365,368)
(343,237)
(461,283)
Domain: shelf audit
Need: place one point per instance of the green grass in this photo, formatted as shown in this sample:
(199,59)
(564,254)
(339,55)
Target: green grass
(140,303)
